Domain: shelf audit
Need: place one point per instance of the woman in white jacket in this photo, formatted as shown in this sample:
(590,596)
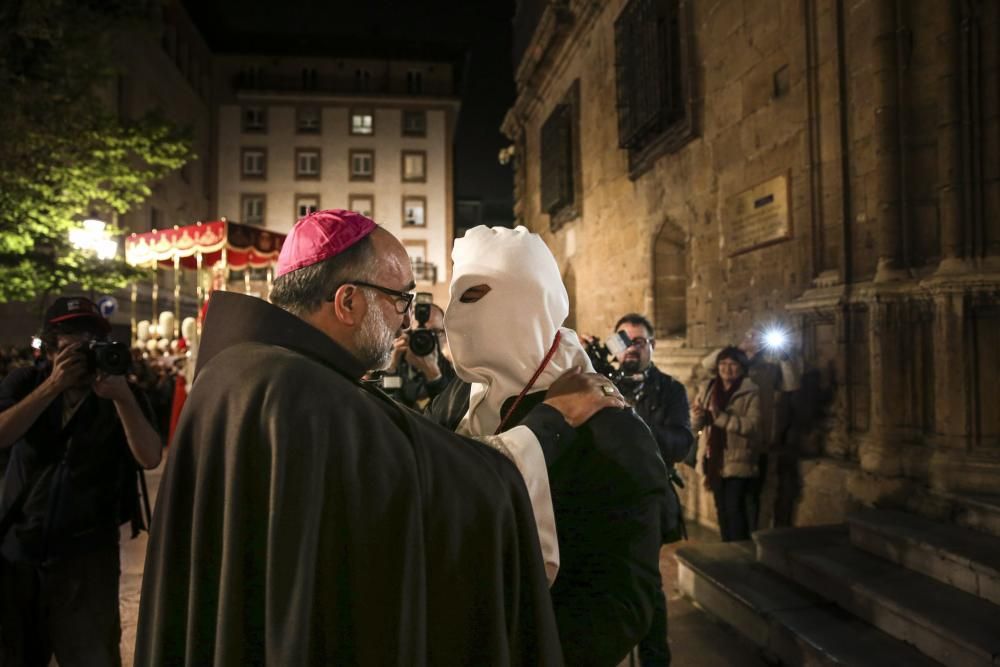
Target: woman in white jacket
(727,412)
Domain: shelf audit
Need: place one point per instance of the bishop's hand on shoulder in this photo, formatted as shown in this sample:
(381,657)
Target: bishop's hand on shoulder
(578,396)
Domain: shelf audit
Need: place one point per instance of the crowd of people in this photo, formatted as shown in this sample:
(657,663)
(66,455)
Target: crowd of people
(347,469)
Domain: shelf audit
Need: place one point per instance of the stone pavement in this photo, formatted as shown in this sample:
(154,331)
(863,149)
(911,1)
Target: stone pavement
(696,640)
(133,557)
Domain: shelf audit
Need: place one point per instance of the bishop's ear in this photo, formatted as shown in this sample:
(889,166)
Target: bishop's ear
(348,304)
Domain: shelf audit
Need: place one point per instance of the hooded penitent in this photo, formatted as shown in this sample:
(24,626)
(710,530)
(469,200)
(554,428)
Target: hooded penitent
(499,341)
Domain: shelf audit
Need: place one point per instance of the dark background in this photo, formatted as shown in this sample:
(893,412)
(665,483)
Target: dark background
(475,34)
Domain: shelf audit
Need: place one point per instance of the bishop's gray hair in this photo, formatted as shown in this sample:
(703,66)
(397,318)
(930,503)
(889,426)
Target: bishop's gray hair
(303,291)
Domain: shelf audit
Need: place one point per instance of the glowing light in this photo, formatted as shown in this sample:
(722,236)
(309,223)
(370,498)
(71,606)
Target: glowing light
(775,338)
(92,235)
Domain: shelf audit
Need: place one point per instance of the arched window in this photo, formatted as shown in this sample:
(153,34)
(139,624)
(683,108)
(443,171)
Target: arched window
(670,278)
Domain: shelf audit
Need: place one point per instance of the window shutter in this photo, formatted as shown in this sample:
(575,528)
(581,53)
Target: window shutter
(557,160)
(648,70)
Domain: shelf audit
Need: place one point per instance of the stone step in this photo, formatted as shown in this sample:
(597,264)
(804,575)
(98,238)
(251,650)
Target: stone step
(946,624)
(976,512)
(787,622)
(965,559)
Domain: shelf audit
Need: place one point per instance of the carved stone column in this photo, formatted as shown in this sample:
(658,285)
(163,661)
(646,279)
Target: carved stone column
(949,140)
(887,146)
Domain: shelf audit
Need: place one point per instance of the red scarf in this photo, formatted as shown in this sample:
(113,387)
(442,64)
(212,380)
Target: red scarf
(718,400)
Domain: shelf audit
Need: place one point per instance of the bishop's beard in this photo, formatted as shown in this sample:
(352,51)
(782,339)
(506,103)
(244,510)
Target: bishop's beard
(373,340)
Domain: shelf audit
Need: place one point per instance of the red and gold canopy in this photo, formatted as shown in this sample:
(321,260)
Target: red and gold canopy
(238,245)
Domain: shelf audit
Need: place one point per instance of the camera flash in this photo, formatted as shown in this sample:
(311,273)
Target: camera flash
(775,338)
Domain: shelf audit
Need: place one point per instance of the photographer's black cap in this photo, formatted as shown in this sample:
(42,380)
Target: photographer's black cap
(68,308)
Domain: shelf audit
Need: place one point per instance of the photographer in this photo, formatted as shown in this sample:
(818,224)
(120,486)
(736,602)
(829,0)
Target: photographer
(662,403)
(77,431)
(419,369)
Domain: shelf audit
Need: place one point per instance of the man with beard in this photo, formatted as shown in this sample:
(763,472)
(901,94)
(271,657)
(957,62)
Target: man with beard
(662,403)
(306,519)
(503,324)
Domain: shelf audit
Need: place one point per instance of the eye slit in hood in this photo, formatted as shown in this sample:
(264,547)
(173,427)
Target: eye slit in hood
(474,293)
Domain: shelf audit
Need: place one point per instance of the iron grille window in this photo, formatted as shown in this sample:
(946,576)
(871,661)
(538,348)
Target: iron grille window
(649,67)
(557,160)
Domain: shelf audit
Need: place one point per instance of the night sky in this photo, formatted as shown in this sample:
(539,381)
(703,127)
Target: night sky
(476,33)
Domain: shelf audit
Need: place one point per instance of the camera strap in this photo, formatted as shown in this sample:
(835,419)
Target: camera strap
(531,383)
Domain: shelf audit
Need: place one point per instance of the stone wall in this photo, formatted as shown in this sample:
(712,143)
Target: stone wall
(889,284)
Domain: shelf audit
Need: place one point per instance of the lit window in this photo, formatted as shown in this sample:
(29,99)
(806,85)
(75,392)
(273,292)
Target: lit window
(362,122)
(307,163)
(362,165)
(306,204)
(414,209)
(253,209)
(254,119)
(414,166)
(307,120)
(363,204)
(254,163)
(414,123)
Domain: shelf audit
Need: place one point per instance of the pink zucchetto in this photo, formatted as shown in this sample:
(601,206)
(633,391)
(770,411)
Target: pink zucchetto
(321,235)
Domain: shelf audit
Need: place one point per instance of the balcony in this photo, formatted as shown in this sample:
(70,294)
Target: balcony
(362,83)
(424,272)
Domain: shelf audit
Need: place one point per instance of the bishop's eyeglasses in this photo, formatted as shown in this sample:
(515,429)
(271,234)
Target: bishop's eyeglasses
(401,300)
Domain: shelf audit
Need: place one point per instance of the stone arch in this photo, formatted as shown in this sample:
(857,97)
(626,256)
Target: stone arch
(670,279)
(569,280)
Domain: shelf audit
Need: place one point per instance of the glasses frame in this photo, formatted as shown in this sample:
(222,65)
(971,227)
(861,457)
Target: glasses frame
(639,341)
(399,298)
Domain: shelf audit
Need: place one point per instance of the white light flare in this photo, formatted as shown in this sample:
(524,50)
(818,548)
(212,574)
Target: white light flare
(92,235)
(775,338)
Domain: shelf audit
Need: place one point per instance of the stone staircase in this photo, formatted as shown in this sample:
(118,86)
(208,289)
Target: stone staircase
(888,588)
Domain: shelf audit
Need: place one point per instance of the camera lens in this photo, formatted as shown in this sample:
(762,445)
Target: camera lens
(112,358)
(422,342)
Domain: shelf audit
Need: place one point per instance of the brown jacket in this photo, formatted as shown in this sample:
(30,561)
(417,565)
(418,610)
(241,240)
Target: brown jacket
(741,420)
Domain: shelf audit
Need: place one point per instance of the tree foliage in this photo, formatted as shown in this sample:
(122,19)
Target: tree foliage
(64,153)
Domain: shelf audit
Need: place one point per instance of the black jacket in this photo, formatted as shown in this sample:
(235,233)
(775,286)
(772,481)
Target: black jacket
(606,488)
(79,480)
(662,403)
(306,520)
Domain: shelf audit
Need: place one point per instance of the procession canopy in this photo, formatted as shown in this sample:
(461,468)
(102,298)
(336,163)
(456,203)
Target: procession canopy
(240,246)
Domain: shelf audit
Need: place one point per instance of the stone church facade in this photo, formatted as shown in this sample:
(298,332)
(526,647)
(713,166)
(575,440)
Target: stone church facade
(830,165)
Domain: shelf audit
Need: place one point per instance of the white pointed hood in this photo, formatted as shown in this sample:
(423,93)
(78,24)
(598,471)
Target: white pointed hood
(500,341)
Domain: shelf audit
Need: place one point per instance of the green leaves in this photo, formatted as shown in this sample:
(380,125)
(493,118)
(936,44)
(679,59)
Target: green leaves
(64,155)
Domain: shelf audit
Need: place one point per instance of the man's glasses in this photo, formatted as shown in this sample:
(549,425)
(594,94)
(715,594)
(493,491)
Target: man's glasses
(638,342)
(401,300)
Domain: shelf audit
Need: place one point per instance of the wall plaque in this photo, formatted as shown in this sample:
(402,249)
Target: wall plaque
(758,217)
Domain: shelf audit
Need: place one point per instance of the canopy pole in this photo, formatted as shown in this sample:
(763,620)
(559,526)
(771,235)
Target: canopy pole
(177,295)
(156,296)
(135,326)
(224,270)
(200,289)
(246,280)
(270,280)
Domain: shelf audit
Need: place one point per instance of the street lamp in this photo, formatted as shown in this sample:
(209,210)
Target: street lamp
(93,235)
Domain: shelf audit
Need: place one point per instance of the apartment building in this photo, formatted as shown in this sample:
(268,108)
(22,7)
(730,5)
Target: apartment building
(299,134)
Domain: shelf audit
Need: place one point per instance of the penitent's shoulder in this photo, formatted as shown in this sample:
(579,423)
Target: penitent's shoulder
(624,440)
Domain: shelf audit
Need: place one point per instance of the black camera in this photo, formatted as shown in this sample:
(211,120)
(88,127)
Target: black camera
(423,341)
(603,354)
(109,357)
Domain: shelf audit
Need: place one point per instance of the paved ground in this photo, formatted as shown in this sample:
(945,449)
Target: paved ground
(133,558)
(695,639)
